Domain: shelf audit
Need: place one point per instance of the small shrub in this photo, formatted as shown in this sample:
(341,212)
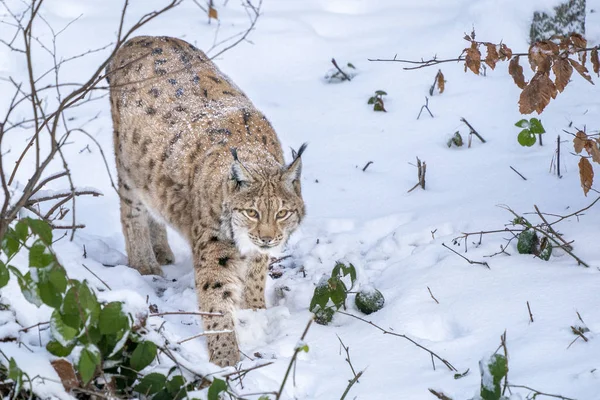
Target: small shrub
(331,293)
(377,101)
(529,130)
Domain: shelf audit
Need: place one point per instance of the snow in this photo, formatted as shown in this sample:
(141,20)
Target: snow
(393,238)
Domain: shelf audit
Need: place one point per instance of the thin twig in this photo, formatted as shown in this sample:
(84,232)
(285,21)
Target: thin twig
(432,296)
(205,333)
(484,263)
(292,361)
(518,173)
(530,314)
(198,313)
(367,166)
(97,277)
(386,332)
(335,64)
(473,131)
(538,393)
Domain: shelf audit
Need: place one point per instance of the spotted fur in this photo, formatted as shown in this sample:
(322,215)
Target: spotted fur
(192,151)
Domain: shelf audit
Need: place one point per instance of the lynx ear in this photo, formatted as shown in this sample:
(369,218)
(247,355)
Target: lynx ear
(239,173)
(292,172)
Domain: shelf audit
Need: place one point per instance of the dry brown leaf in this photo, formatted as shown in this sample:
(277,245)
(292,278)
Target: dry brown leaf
(562,71)
(66,373)
(440,81)
(579,141)
(505,52)
(492,55)
(583,71)
(578,41)
(212,13)
(595,60)
(540,56)
(586,175)
(473,58)
(594,151)
(516,71)
(537,94)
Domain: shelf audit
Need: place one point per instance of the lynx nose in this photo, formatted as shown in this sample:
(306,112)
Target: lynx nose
(266,240)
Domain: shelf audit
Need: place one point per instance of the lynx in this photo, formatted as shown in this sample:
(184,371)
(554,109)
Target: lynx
(193,152)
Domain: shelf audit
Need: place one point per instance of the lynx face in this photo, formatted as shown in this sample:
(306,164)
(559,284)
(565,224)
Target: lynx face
(267,207)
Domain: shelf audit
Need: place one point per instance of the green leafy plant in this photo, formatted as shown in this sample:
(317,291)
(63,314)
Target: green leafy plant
(108,342)
(377,101)
(340,73)
(531,128)
(493,370)
(455,140)
(331,293)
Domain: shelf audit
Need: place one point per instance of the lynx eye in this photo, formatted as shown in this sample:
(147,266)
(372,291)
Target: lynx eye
(251,213)
(283,214)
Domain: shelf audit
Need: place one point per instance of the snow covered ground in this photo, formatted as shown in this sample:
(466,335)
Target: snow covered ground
(392,237)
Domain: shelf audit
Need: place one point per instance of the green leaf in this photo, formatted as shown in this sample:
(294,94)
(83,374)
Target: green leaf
(21,231)
(58,349)
(89,361)
(4,275)
(217,386)
(303,347)
(39,255)
(176,387)
(345,270)
(494,369)
(378,107)
(523,124)
(264,397)
(371,100)
(60,330)
(10,244)
(41,229)
(112,319)
(337,291)
(350,65)
(151,384)
(535,126)
(380,93)
(143,355)
(90,336)
(49,294)
(58,278)
(320,297)
(28,286)
(526,138)
(51,285)
(14,372)
(70,309)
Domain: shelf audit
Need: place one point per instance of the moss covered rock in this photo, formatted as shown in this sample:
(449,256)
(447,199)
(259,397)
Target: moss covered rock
(527,242)
(369,300)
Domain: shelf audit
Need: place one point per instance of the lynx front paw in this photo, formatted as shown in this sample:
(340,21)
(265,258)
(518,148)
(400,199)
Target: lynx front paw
(225,357)
(147,268)
(164,256)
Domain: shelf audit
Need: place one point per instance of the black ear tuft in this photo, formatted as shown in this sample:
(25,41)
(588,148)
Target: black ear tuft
(301,150)
(239,173)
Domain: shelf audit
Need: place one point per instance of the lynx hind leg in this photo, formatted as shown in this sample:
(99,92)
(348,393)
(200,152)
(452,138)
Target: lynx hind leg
(254,288)
(160,243)
(136,229)
(219,287)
